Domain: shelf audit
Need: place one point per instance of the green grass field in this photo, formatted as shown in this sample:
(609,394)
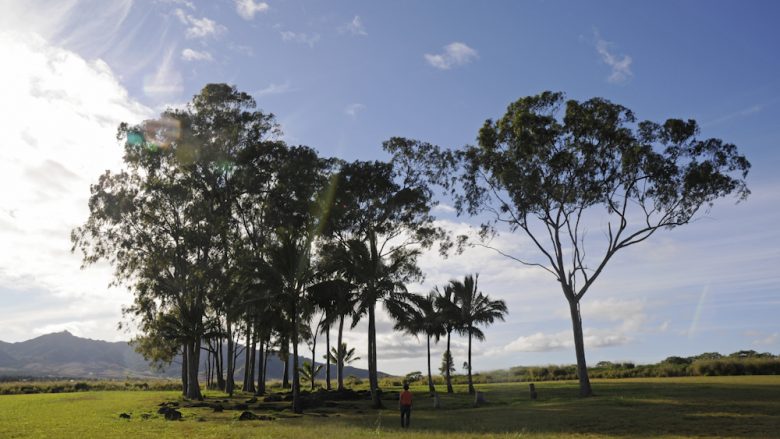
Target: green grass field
(744,406)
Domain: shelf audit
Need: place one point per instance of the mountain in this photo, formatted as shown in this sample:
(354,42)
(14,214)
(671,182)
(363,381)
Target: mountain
(62,354)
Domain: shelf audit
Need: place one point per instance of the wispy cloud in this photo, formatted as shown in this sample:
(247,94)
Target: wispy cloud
(353,109)
(274,89)
(248,8)
(185,3)
(354,27)
(300,37)
(199,27)
(620,64)
(735,115)
(454,54)
(767,340)
(166,82)
(195,55)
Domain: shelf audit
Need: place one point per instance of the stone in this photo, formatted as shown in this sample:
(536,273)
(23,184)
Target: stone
(124,416)
(173,415)
(479,399)
(532,389)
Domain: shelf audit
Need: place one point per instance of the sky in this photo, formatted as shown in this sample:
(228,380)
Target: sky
(344,76)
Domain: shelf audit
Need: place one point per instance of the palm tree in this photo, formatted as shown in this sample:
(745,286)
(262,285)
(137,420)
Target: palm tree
(344,354)
(475,309)
(423,318)
(309,373)
(449,315)
(338,300)
(378,278)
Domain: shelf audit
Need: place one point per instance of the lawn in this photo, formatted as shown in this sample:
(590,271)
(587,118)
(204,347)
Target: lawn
(745,406)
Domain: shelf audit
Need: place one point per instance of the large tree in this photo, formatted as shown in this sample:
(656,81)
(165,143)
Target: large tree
(551,169)
(379,222)
(162,222)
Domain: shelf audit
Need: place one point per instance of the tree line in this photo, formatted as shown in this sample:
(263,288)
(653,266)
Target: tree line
(222,231)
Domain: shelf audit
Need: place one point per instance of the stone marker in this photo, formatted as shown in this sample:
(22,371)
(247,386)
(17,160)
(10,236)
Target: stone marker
(479,399)
(532,388)
(124,416)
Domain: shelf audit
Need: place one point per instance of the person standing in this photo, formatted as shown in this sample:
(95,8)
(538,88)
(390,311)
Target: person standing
(405,403)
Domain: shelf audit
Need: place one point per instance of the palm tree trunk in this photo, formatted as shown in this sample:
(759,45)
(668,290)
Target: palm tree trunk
(471,383)
(447,368)
(327,358)
(340,357)
(431,388)
(286,374)
(373,381)
(313,356)
(579,348)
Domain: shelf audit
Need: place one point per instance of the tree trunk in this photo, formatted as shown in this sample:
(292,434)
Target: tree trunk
(471,383)
(327,358)
(579,347)
(373,380)
(193,358)
(286,374)
(247,357)
(252,358)
(220,363)
(184,374)
(296,384)
(339,357)
(313,356)
(260,389)
(447,368)
(230,382)
(265,361)
(431,387)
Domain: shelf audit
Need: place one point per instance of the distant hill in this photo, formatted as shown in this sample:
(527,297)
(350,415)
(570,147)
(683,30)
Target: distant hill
(62,354)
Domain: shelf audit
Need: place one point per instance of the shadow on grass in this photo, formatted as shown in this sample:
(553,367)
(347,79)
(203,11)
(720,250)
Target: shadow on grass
(628,409)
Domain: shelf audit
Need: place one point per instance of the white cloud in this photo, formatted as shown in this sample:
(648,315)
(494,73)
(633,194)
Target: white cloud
(444,208)
(248,8)
(300,37)
(455,54)
(563,340)
(354,27)
(353,109)
(769,340)
(274,89)
(166,82)
(621,66)
(199,27)
(60,114)
(195,55)
(185,3)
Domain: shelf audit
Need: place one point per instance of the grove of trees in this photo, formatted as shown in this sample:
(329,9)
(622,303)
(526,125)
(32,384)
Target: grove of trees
(224,233)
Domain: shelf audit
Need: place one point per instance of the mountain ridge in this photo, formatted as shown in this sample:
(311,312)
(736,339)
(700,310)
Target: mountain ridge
(62,354)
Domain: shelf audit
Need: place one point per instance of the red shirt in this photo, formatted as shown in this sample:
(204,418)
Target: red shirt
(406,398)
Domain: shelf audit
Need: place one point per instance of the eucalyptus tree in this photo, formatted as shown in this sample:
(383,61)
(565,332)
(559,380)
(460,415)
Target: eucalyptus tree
(551,169)
(424,318)
(380,221)
(159,221)
(475,309)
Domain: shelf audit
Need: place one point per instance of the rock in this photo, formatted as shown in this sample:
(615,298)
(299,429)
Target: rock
(532,389)
(172,415)
(124,416)
(479,399)
(251,400)
(200,404)
(273,398)
(249,416)
(241,407)
(217,408)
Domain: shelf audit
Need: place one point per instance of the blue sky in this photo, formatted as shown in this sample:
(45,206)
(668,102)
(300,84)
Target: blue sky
(342,77)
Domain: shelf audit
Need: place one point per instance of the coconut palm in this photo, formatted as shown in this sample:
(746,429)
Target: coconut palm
(345,354)
(308,372)
(475,309)
(338,299)
(423,318)
(449,315)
